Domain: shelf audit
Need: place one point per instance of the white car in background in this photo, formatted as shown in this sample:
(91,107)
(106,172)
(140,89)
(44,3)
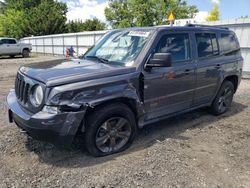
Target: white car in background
(10,47)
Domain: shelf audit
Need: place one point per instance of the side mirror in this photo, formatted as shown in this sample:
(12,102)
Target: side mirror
(160,60)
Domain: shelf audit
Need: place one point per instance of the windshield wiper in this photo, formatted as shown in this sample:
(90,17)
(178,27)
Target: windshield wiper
(99,59)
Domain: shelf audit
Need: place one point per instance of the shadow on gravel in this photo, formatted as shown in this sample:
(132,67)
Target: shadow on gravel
(8,57)
(148,136)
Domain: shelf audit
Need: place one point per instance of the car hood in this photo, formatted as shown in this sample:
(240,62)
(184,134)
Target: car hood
(58,72)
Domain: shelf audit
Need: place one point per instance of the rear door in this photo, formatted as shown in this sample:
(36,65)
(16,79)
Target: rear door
(209,66)
(170,89)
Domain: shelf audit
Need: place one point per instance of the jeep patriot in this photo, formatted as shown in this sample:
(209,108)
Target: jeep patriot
(130,78)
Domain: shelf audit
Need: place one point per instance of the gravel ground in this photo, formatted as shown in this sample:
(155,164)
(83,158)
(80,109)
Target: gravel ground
(192,150)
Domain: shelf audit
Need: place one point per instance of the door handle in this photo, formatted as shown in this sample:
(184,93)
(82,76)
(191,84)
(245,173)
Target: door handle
(218,66)
(187,71)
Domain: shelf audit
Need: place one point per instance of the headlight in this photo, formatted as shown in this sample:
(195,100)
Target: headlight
(37,96)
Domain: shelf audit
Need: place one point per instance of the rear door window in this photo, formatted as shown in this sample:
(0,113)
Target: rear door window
(228,43)
(12,41)
(207,44)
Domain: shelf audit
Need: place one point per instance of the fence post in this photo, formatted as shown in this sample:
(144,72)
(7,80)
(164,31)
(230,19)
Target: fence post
(94,38)
(36,44)
(43,47)
(53,52)
(77,46)
(63,45)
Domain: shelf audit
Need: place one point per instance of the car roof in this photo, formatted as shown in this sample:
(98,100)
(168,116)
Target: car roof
(7,38)
(195,27)
(189,27)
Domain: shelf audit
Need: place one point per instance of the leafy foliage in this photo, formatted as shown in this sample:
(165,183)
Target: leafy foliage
(129,13)
(89,25)
(49,17)
(12,23)
(214,14)
(21,18)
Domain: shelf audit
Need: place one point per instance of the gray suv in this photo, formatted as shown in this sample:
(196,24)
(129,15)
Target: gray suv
(130,78)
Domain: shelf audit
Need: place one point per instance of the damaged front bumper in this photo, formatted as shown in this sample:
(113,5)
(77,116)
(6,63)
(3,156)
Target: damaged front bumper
(59,129)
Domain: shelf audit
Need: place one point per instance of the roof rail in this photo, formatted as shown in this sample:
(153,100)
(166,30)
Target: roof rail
(212,26)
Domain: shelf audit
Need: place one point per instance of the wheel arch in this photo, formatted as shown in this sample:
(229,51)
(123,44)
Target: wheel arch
(129,102)
(234,79)
(25,48)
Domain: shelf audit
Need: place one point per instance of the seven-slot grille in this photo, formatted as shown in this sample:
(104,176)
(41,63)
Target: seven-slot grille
(22,89)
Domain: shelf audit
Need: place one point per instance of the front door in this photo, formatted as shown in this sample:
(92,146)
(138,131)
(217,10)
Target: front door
(170,89)
(4,47)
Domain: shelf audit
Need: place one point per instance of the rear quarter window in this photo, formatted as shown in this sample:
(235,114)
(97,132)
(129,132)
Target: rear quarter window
(228,43)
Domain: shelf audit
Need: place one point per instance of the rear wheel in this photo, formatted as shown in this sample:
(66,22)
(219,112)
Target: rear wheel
(111,129)
(26,53)
(223,99)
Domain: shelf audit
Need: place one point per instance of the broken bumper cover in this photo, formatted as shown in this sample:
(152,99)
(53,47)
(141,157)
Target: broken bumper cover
(59,129)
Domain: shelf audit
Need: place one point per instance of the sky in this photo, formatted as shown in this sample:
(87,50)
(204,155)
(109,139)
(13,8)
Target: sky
(229,9)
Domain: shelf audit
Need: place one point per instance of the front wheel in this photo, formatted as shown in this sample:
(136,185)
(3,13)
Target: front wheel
(223,99)
(111,129)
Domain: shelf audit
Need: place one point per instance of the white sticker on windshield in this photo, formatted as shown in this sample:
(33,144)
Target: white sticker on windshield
(139,34)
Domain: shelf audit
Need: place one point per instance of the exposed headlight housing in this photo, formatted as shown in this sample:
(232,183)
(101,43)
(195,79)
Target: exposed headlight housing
(37,95)
(51,109)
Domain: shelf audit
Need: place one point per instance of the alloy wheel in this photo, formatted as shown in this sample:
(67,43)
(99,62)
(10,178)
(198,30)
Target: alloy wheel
(113,134)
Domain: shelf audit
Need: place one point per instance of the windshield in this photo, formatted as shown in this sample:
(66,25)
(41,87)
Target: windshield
(119,47)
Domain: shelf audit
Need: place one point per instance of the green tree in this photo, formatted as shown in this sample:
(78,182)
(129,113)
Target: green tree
(21,4)
(49,17)
(214,14)
(119,13)
(21,18)
(11,23)
(88,25)
(93,25)
(129,13)
(74,26)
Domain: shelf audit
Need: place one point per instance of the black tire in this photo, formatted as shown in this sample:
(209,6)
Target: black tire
(12,56)
(104,116)
(223,99)
(26,53)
